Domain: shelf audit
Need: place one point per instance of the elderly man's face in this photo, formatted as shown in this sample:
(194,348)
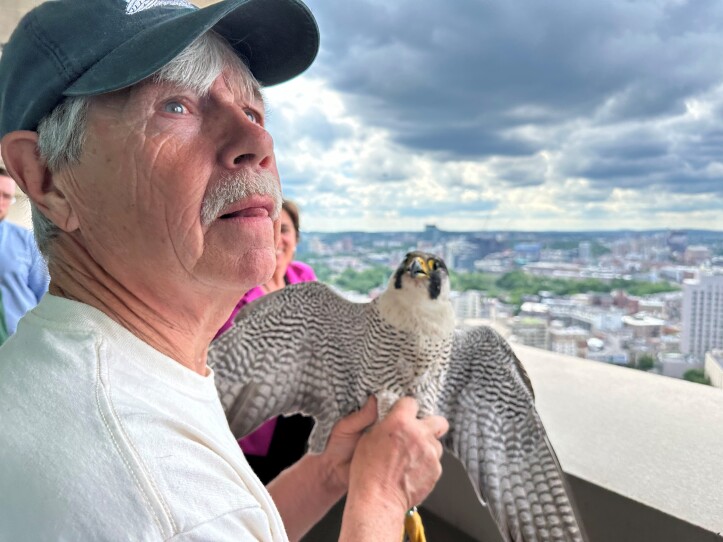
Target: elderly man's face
(7,194)
(151,155)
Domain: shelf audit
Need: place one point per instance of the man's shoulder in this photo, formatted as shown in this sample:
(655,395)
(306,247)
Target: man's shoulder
(69,463)
(96,444)
(16,228)
(15,234)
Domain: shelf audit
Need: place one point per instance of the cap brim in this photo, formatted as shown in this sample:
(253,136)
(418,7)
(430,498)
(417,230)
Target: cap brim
(278,39)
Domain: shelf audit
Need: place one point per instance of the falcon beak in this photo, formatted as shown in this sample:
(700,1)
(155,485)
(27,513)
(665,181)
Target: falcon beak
(418,267)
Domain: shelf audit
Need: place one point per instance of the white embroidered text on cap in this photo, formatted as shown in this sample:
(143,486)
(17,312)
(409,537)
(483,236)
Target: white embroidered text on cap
(134,6)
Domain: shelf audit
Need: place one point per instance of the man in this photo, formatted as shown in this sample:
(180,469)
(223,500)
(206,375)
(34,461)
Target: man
(23,276)
(139,138)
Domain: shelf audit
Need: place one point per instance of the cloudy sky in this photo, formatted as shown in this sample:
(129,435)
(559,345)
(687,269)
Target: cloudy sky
(486,115)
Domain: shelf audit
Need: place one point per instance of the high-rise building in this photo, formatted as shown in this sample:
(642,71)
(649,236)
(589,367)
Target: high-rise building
(472,304)
(677,242)
(702,316)
(571,341)
(528,251)
(696,255)
(584,251)
(529,331)
(462,253)
(714,367)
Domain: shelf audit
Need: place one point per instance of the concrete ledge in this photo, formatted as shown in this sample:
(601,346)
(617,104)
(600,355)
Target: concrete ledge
(652,439)
(643,453)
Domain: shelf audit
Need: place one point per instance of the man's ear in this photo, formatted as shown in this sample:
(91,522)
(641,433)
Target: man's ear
(23,162)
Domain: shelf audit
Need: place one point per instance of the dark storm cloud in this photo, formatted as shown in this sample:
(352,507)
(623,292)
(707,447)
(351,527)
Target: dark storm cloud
(633,146)
(617,170)
(466,59)
(463,142)
(694,182)
(519,172)
(461,78)
(703,147)
(683,159)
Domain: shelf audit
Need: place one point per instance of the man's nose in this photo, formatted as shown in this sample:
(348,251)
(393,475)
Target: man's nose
(248,143)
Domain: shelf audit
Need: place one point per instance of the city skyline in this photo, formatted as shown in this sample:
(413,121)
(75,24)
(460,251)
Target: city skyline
(500,117)
(650,302)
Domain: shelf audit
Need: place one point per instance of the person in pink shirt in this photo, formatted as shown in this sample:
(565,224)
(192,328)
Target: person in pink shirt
(280,442)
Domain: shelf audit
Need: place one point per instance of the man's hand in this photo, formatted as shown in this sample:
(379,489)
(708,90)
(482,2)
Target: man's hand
(386,470)
(343,442)
(400,457)
(304,492)
(395,467)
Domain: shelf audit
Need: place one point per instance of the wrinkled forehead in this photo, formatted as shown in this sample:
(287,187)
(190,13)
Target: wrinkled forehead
(200,64)
(243,88)
(238,77)
(196,69)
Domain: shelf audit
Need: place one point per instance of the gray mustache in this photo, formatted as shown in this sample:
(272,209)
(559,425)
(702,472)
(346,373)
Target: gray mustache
(237,186)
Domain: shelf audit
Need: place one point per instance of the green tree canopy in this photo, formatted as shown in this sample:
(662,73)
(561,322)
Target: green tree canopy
(484,282)
(362,281)
(520,283)
(645,362)
(697,376)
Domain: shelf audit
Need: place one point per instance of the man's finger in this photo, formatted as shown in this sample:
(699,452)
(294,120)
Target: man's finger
(406,406)
(439,449)
(438,425)
(357,421)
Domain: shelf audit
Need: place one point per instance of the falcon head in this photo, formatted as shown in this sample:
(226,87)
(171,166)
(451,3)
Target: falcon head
(417,298)
(424,270)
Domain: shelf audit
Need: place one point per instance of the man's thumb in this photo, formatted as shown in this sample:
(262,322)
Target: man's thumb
(357,421)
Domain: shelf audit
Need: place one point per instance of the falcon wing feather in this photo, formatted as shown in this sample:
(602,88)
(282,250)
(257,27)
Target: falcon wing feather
(497,434)
(284,355)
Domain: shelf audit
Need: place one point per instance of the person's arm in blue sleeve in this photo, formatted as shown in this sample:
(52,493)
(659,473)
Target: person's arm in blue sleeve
(38,277)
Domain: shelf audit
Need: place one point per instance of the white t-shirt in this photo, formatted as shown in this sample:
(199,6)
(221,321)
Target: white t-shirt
(104,438)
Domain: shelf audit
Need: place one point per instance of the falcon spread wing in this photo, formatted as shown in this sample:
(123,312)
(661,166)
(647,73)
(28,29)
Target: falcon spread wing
(306,349)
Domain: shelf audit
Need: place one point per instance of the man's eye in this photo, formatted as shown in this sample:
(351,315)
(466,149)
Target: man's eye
(251,116)
(174,107)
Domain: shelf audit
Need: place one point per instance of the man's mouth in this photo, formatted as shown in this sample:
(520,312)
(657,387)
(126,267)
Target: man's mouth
(256,207)
(241,190)
(248,212)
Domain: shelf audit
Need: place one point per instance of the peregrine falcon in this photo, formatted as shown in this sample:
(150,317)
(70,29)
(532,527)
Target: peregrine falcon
(306,349)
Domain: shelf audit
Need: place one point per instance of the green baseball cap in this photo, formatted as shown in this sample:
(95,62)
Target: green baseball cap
(86,47)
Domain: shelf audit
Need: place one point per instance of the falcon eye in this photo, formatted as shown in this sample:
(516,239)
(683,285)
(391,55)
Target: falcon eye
(432,264)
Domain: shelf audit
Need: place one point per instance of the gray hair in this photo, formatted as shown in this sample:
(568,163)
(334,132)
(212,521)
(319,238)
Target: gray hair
(62,133)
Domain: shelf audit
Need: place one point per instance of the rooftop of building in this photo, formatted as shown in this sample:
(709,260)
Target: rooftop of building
(642,320)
